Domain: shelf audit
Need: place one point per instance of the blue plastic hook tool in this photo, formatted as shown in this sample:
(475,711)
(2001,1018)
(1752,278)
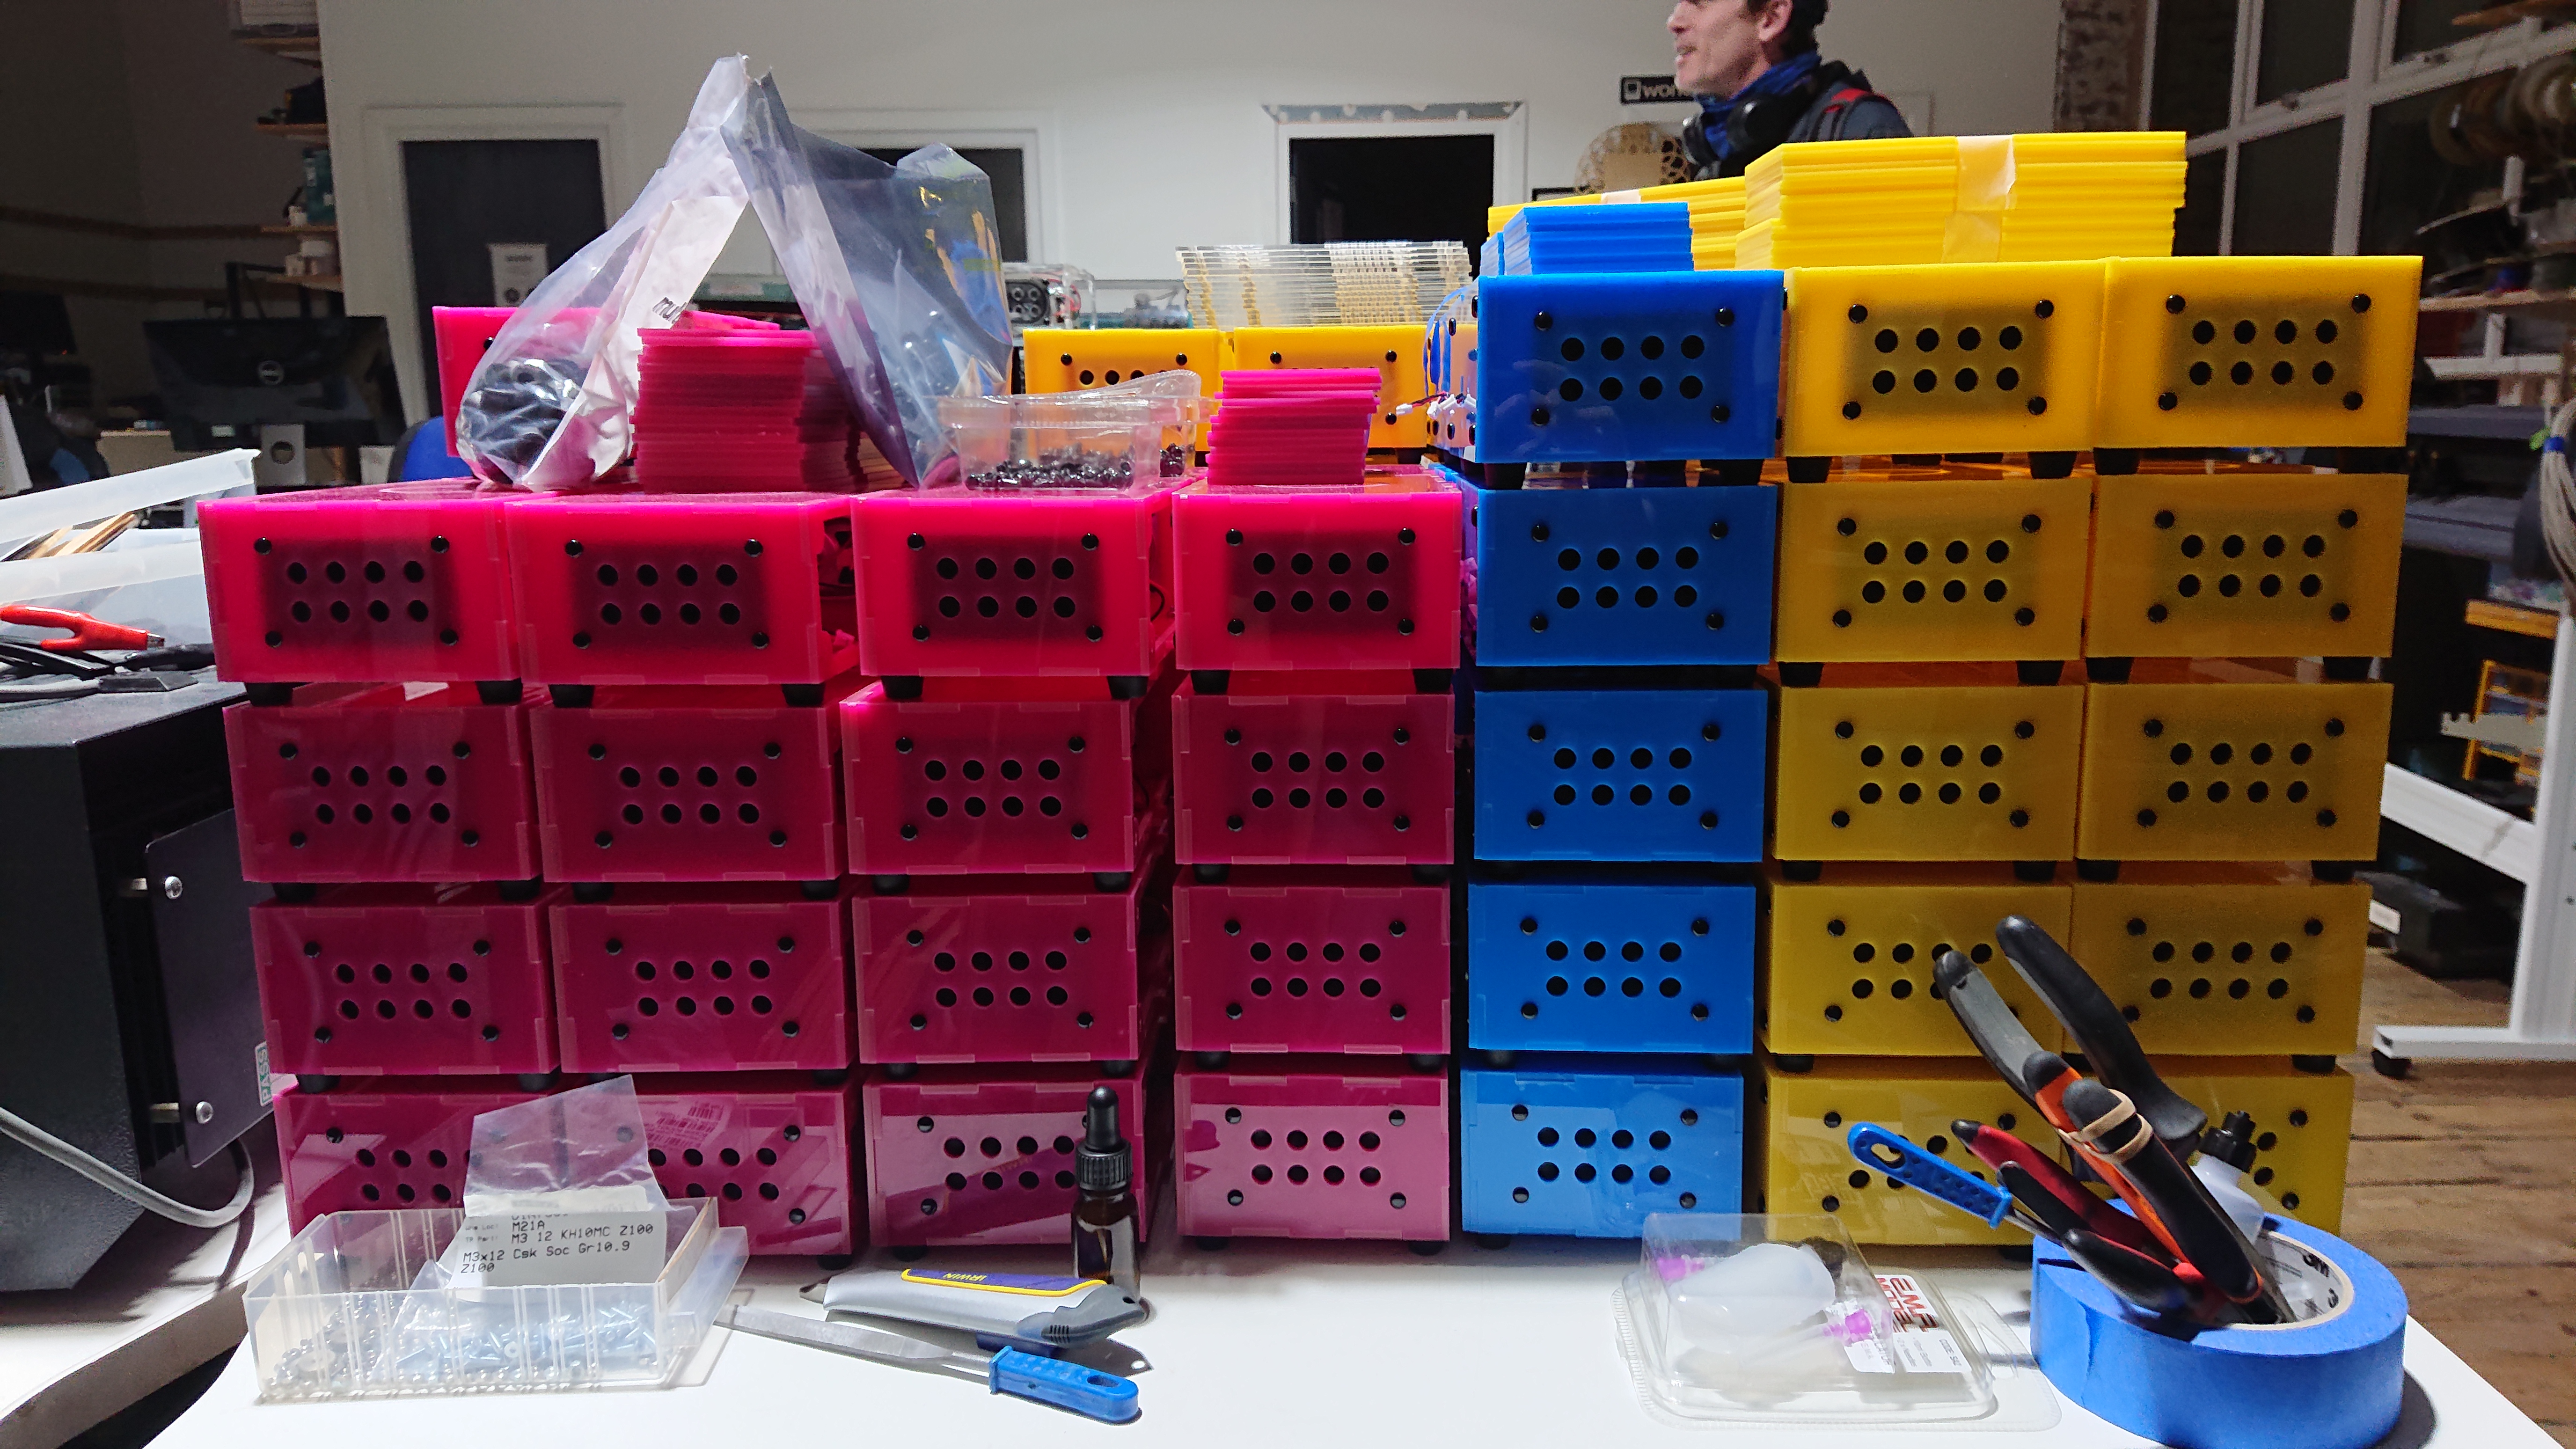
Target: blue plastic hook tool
(1902,1161)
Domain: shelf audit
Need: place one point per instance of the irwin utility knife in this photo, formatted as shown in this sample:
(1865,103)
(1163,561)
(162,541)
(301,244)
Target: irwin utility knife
(1087,1391)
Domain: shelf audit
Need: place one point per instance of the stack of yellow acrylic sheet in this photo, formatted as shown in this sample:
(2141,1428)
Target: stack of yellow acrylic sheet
(1716,215)
(1850,203)
(2071,197)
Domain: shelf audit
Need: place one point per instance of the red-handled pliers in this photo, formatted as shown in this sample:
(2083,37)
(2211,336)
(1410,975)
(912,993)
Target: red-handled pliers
(86,633)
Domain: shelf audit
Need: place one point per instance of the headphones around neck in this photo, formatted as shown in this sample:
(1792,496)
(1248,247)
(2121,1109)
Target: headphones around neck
(1757,124)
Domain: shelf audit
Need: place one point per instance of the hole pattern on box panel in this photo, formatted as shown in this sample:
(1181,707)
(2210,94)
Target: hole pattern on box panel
(1006,976)
(1892,960)
(2198,969)
(1328,779)
(960,783)
(332,593)
(1631,1155)
(1896,773)
(2271,769)
(985,1161)
(1913,364)
(2214,565)
(1955,571)
(741,1169)
(2266,351)
(1310,1154)
(634,597)
(689,797)
(1607,362)
(346,797)
(1612,775)
(965,587)
(407,1155)
(1609,578)
(418,991)
(1292,967)
(719,986)
(1357,582)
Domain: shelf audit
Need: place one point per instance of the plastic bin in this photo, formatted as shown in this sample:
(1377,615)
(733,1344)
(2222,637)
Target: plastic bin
(1308,960)
(1358,772)
(774,1151)
(715,978)
(2213,771)
(1587,1146)
(365,980)
(2227,960)
(1898,570)
(2226,565)
(1623,576)
(1658,365)
(1638,966)
(961,1156)
(1020,969)
(1620,775)
(1319,578)
(1313,1147)
(1848,957)
(1928,772)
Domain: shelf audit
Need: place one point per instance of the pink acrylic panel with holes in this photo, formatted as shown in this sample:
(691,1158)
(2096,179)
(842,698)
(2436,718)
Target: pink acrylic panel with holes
(1318,578)
(390,783)
(368,980)
(1312,779)
(462,333)
(1276,960)
(981,1156)
(775,1152)
(381,1143)
(711,784)
(1014,970)
(948,786)
(1312,1147)
(702,979)
(961,582)
(400,581)
(698,588)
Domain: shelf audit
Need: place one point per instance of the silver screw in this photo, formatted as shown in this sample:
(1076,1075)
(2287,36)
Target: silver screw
(171,886)
(205,1110)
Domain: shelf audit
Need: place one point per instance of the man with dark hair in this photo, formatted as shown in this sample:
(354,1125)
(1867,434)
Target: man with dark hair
(1761,84)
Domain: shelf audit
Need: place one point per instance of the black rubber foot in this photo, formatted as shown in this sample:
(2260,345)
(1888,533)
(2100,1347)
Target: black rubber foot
(2037,872)
(1118,1068)
(2393,1068)
(1915,460)
(571,696)
(2335,872)
(1431,874)
(520,890)
(1801,675)
(2039,671)
(1660,473)
(1427,1249)
(890,885)
(2100,872)
(1506,476)
(1210,874)
(1433,681)
(1802,870)
(1795,1063)
(315,1081)
(499,691)
(1500,1061)
(592,892)
(2115,462)
(2052,465)
(1733,472)
(2109,669)
(1425,1061)
(832,1262)
(538,1081)
(1211,1245)
(831,1076)
(1111,881)
(294,893)
(2315,1066)
(1810,470)
(1506,869)
(1127,686)
(902,686)
(901,1071)
(265,694)
(818,890)
(1408,457)
(2348,668)
(802,696)
(1211,1061)
(1210,681)
(1491,1242)
(907,1254)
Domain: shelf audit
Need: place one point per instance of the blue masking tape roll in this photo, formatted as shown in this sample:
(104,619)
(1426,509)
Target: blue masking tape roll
(2333,1381)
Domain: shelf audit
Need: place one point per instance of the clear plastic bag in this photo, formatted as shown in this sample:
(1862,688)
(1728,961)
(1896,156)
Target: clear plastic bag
(547,405)
(583,1147)
(898,270)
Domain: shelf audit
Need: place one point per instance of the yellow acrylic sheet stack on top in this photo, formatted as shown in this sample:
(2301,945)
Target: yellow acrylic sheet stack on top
(2076,197)
(1716,214)
(1850,203)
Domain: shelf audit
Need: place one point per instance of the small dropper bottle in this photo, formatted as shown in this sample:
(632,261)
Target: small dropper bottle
(1104,1204)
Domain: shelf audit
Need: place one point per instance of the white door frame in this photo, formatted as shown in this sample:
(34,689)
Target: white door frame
(1511,149)
(1033,133)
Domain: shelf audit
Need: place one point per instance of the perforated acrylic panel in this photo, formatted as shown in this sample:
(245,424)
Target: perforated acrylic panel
(417,980)
(1935,359)
(985,1157)
(1395,352)
(2231,960)
(704,588)
(2230,566)
(1588,1146)
(1312,1147)
(1961,569)
(2257,351)
(1808,1166)
(1582,966)
(383,784)
(946,787)
(1620,775)
(1071,359)
(1309,961)
(1004,971)
(1966,772)
(1318,779)
(1625,575)
(702,979)
(2232,771)
(379,1142)
(2302,1125)
(1848,961)
(1640,365)
(1278,578)
(776,1154)
(957,581)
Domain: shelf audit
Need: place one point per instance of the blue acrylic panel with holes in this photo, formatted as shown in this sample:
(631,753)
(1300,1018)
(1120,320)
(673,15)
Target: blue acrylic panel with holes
(1648,365)
(1625,575)
(1620,774)
(1589,967)
(1588,1146)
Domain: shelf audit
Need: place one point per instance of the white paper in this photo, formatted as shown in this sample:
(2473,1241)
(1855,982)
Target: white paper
(1920,1344)
(517,1250)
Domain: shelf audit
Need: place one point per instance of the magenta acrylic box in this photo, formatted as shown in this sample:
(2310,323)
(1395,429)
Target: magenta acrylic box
(968,582)
(1359,771)
(713,978)
(368,980)
(708,784)
(696,588)
(1013,970)
(775,1151)
(1304,960)
(401,581)
(1004,778)
(978,1156)
(1319,578)
(1312,1147)
(381,1143)
(384,783)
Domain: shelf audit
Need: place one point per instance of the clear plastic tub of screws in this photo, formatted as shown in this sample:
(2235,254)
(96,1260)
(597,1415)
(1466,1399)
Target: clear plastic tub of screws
(1100,438)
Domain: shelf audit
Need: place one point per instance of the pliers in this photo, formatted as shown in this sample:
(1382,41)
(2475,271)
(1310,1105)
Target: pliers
(87,633)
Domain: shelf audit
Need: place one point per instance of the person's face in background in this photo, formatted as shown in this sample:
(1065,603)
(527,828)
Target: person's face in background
(1719,46)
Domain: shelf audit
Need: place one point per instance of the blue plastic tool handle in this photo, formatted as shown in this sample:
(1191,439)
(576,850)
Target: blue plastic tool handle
(1928,1174)
(1088,1391)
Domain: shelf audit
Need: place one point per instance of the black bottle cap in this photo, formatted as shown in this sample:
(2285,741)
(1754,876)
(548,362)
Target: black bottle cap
(2231,1141)
(1102,1162)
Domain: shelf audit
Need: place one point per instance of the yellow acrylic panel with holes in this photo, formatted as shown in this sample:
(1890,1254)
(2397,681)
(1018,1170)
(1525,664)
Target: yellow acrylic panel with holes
(2233,352)
(2302,1125)
(1941,359)
(1924,773)
(2232,771)
(2234,960)
(2209,567)
(1847,959)
(1069,359)
(1394,353)
(1964,570)
(1807,1166)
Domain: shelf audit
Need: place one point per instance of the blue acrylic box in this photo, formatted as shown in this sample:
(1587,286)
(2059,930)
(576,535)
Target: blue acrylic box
(1624,576)
(1591,966)
(1596,367)
(1588,1146)
(1620,774)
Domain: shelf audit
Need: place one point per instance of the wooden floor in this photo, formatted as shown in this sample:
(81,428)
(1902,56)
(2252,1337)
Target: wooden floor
(2463,1181)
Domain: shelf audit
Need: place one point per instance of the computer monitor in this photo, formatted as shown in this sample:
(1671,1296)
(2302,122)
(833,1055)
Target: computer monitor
(221,380)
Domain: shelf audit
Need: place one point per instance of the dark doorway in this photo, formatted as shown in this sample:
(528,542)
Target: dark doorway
(1390,188)
(1007,168)
(464,196)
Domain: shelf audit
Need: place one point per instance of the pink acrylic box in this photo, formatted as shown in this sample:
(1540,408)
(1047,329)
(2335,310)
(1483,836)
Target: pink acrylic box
(1006,778)
(713,978)
(1016,970)
(366,980)
(383,783)
(774,1150)
(1312,1147)
(462,334)
(399,581)
(1319,578)
(710,784)
(963,581)
(381,1143)
(1359,771)
(979,1156)
(1276,960)
(697,588)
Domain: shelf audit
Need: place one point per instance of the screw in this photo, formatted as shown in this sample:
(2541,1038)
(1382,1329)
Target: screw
(171,886)
(205,1112)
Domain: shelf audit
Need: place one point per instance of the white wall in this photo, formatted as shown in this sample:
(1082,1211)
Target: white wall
(1149,112)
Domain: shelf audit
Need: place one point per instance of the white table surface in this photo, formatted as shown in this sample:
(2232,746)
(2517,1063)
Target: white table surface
(1260,1344)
